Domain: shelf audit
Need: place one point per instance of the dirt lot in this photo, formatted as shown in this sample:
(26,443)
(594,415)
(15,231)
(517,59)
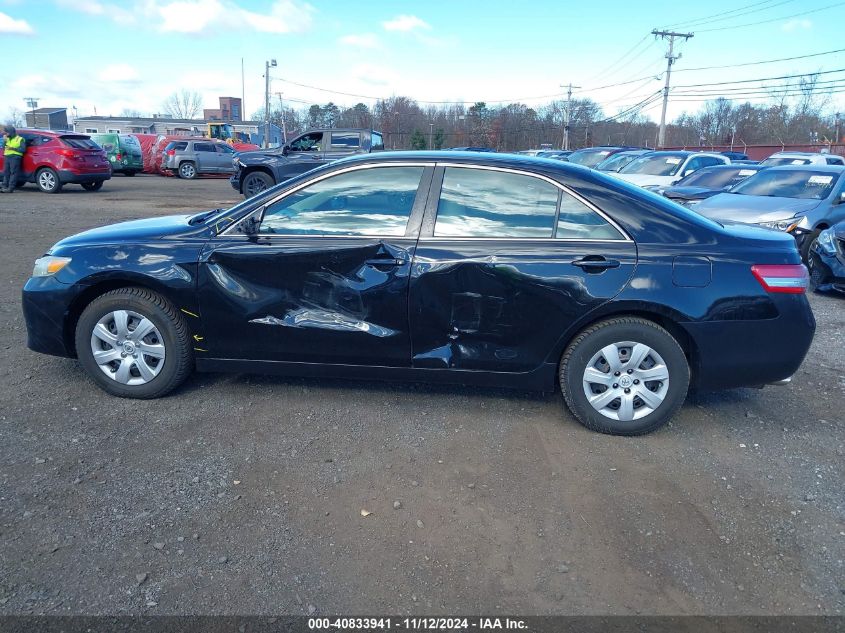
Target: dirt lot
(244,494)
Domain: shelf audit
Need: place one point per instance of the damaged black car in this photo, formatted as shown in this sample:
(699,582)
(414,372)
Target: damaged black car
(461,267)
(827,260)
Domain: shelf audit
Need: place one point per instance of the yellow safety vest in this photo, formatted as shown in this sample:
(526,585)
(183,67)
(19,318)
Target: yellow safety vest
(13,146)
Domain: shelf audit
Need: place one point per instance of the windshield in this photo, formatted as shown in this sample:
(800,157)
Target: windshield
(617,161)
(80,142)
(792,183)
(589,157)
(655,165)
(774,161)
(716,178)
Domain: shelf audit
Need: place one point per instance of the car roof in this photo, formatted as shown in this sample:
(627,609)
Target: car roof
(733,166)
(515,161)
(834,169)
(801,154)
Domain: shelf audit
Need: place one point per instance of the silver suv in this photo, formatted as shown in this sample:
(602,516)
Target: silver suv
(188,159)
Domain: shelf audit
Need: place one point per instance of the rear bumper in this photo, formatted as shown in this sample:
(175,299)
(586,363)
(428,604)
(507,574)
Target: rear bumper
(748,353)
(76,178)
(45,303)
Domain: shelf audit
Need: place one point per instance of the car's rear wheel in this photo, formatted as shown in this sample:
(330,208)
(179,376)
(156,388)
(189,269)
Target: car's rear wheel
(134,344)
(807,243)
(130,173)
(48,180)
(187,170)
(255,183)
(92,186)
(624,376)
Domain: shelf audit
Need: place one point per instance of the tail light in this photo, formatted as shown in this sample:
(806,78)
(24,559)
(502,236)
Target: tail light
(66,152)
(782,278)
(171,152)
(119,157)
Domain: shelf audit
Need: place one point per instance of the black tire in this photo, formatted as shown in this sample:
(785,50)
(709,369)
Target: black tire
(187,170)
(178,360)
(48,180)
(255,182)
(819,273)
(131,173)
(92,186)
(591,341)
(807,243)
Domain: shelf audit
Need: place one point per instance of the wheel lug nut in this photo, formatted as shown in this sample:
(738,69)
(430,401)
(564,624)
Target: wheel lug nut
(630,371)
(122,354)
(627,391)
(615,386)
(616,373)
(636,382)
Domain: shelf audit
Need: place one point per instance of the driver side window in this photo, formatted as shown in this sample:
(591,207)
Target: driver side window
(307,143)
(375,201)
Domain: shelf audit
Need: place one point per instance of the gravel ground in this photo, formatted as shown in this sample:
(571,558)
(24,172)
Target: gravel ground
(246,494)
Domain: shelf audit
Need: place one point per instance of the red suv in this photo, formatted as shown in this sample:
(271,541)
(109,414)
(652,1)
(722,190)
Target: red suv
(54,159)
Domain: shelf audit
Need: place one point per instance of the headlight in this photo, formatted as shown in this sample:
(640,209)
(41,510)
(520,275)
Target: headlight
(49,265)
(787,224)
(825,241)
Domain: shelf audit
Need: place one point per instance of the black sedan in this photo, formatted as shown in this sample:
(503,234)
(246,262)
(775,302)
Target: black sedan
(826,260)
(470,268)
(707,182)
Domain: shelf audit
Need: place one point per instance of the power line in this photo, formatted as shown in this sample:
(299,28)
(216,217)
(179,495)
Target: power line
(624,55)
(746,81)
(765,61)
(737,13)
(785,17)
(707,17)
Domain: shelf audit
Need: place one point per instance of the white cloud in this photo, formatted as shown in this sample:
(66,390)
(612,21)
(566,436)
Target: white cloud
(211,16)
(796,24)
(405,23)
(375,75)
(123,73)
(16,27)
(96,8)
(365,40)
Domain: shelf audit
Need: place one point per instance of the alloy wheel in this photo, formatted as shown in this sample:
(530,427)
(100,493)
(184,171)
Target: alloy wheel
(626,381)
(128,347)
(47,180)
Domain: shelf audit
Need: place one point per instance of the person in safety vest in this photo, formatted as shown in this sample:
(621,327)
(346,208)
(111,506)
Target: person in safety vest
(12,156)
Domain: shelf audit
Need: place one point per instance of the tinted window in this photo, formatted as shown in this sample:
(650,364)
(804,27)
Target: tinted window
(589,157)
(308,143)
(655,165)
(80,142)
(616,162)
(774,161)
(487,203)
(834,160)
(179,146)
(350,140)
(363,202)
(789,183)
(377,141)
(224,149)
(578,221)
(203,147)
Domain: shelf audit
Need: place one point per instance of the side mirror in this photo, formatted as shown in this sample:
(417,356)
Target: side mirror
(250,225)
(285,150)
(841,198)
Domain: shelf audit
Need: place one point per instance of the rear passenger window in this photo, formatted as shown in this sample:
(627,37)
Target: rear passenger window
(577,221)
(488,203)
(204,147)
(348,140)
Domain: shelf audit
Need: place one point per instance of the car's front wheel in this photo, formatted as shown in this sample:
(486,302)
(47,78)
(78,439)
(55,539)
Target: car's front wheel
(624,376)
(255,183)
(134,344)
(92,186)
(187,171)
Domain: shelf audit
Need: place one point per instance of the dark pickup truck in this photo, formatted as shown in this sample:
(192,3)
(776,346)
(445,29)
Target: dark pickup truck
(258,170)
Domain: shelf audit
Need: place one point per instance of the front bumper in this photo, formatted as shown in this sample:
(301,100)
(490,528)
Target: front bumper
(830,267)
(46,303)
(75,178)
(235,181)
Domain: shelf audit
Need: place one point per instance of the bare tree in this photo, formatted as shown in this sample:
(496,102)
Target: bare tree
(183,104)
(131,113)
(14,117)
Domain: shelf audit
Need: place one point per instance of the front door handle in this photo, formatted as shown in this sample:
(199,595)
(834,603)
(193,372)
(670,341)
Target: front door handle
(385,261)
(594,263)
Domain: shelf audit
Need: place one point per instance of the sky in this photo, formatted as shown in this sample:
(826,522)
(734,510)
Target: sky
(105,57)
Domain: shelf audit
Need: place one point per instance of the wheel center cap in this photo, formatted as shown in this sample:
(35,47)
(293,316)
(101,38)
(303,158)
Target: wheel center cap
(129,347)
(625,381)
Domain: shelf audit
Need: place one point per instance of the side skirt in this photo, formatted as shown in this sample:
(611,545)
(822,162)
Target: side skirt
(541,379)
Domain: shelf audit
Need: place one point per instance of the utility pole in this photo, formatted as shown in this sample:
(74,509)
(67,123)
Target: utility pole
(284,126)
(670,58)
(567,116)
(430,135)
(267,66)
(31,103)
(837,128)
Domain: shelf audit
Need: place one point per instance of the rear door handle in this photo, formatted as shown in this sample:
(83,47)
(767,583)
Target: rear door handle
(596,263)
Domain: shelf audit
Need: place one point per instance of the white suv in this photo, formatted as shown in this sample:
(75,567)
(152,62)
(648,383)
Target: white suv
(802,158)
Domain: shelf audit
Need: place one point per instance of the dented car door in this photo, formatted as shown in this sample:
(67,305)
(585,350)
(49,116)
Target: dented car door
(325,278)
(506,261)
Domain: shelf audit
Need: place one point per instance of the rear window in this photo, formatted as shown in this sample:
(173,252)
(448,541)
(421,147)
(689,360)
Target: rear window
(377,142)
(716,178)
(79,142)
(176,145)
(784,160)
(350,140)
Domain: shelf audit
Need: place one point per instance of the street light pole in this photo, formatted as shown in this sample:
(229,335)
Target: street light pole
(267,66)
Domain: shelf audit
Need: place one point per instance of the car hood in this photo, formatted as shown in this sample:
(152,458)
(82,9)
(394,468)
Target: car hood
(644,180)
(753,209)
(133,231)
